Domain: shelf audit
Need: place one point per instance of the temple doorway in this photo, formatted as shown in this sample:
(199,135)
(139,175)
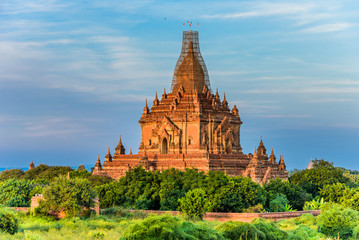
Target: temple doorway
(164,148)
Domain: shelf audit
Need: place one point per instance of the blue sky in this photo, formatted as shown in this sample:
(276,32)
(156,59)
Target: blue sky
(74,75)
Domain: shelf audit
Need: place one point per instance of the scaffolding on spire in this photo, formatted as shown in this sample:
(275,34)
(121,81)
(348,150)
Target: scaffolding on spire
(191,36)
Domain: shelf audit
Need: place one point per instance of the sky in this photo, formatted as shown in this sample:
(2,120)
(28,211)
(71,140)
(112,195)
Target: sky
(74,75)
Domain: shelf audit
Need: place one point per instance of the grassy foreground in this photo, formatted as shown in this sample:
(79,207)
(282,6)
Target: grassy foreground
(121,224)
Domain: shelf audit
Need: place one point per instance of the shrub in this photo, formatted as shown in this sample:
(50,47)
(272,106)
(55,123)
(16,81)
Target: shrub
(336,220)
(240,231)
(315,204)
(271,231)
(8,221)
(195,204)
(15,191)
(68,195)
(279,203)
(255,209)
(168,227)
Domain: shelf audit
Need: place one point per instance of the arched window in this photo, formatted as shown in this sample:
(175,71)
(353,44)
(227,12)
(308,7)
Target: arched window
(164,147)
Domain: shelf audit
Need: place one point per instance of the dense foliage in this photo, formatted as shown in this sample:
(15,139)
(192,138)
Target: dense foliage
(195,204)
(323,173)
(68,195)
(333,190)
(8,221)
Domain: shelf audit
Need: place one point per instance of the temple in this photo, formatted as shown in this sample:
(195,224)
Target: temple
(190,127)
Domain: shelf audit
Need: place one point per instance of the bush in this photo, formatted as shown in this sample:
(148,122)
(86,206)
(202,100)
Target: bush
(195,204)
(271,231)
(336,220)
(240,231)
(15,193)
(168,227)
(68,195)
(8,221)
(279,203)
(255,209)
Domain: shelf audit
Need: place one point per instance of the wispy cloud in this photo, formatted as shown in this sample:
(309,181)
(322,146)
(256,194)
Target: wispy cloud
(53,127)
(325,28)
(262,9)
(284,116)
(26,6)
(329,100)
(305,90)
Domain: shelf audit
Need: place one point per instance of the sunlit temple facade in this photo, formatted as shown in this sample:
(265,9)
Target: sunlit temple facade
(191,127)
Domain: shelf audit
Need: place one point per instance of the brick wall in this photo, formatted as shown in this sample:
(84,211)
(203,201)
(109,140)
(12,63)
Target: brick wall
(21,209)
(242,217)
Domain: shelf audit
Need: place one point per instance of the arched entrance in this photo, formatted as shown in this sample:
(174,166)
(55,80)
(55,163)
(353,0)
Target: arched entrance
(164,147)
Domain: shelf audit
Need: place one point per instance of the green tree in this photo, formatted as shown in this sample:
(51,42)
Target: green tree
(352,199)
(195,203)
(68,195)
(97,180)
(171,189)
(9,174)
(279,203)
(8,221)
(15,193)
(337,220)
(322,173)
(295,194)
(335,192)
(241,193)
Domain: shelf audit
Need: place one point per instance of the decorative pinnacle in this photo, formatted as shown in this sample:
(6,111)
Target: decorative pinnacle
(145,109)
(120,142)
(224,97)
(217,95)
(130,151)
(255,152)
(261,143)
(108,150)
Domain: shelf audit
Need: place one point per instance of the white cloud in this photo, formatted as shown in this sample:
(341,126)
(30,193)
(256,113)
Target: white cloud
(261,9)
(26,6)
(325,28)
(329,100)
(58,127)
(284,116)
(305,90)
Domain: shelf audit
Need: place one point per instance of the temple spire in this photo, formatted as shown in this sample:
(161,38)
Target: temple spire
(281,163)
(190,65)
(120,149)
(272,157)
(145,109)
(156,101)
(32,165)
(217,95)
(224,102)
(235,111)
(108,157)
(98,163)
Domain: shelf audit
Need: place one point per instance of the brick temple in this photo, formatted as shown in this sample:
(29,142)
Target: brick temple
(190,127)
